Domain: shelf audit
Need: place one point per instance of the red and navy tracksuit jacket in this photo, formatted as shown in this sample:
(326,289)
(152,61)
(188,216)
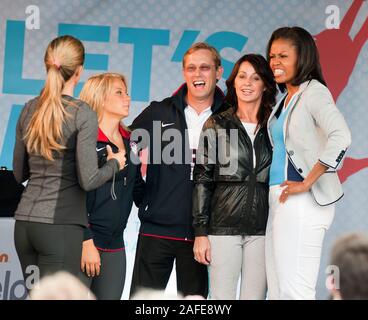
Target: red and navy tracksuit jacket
(109,206)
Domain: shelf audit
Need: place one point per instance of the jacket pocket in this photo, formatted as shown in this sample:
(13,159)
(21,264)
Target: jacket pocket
(261,209)
(145,205)
(226,205)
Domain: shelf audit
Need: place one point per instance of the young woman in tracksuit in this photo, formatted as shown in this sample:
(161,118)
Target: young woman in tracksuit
(103,256)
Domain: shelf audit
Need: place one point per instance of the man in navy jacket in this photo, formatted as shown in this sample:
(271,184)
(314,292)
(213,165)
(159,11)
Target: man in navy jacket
(173,126)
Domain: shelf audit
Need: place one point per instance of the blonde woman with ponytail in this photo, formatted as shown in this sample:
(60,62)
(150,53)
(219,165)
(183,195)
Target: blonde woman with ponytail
(103,256)
(55,152)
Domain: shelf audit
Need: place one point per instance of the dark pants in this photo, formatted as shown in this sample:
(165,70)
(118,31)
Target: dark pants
(109,285)
(154,262)
(50,247)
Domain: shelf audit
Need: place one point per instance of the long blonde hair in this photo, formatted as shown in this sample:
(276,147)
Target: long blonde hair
(97,88)
(44,133)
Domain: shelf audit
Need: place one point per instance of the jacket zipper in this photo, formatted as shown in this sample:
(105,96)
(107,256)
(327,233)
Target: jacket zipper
(112,190)
(253,179)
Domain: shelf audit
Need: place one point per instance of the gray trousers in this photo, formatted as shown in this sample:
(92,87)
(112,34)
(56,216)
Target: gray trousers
(109,285)
(51,247)
(234,256)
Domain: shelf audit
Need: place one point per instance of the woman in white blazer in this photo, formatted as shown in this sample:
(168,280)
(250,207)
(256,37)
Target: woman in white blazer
(309,137)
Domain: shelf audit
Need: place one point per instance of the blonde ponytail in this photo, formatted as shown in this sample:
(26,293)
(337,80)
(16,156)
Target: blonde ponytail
(44,135)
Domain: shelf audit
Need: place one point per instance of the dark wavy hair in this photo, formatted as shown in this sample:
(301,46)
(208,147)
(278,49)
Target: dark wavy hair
(263,69)
(308,66)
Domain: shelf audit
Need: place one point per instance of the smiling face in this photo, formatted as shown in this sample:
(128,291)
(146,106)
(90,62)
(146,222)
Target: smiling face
(200,74)
(117,101)
(283,60)
(248,84)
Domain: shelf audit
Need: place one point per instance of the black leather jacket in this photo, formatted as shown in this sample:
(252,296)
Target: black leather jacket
(231,200)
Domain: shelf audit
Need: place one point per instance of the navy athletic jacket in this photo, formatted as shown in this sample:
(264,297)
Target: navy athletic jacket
(166,210)
(109,206)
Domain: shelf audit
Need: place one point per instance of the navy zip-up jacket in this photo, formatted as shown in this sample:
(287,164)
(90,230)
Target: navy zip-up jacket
(109,206)
(166,210)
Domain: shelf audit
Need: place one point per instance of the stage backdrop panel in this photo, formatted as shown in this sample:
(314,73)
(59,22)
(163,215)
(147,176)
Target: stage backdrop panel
(145,40)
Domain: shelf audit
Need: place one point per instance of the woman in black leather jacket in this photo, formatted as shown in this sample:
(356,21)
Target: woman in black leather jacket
(230,200)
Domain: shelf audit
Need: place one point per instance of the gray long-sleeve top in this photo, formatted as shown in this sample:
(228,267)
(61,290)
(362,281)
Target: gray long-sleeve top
(56,190)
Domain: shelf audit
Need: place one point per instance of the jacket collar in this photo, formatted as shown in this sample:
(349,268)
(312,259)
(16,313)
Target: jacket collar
(180,94)
(298,94)
(230,113)
(101,137)
(304,86)
(301,89)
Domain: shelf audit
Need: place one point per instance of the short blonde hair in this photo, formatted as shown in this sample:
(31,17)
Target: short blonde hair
(204,46)
(96,89)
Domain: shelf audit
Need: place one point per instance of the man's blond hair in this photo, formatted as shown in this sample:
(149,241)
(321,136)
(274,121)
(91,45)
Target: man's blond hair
(204,46)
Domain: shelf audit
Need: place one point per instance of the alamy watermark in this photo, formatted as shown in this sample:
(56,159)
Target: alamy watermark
(333,19)
(171,146)
(18,290)
(333,277)
(33,17)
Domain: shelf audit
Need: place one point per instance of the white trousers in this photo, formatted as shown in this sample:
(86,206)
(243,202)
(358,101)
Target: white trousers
(294,238)
(234,256)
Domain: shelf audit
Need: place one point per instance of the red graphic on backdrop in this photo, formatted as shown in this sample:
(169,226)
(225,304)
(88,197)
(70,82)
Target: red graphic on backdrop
(339,54)
(352,166)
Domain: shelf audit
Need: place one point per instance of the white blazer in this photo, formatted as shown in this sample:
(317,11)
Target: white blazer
(315,130)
